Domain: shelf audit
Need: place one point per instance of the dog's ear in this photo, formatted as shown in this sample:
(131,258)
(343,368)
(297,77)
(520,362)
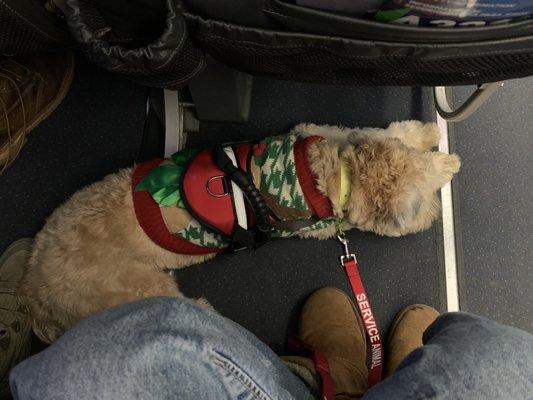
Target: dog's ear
(446,165)
(405,206)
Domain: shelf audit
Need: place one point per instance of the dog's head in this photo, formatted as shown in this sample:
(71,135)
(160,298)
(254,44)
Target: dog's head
(394,187)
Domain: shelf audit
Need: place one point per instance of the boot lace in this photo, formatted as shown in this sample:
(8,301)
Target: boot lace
(10,78)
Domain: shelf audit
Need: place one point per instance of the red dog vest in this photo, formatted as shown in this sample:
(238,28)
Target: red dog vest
(216,201)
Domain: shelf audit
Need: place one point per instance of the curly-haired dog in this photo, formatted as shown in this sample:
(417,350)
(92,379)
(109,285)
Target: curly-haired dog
(100,249)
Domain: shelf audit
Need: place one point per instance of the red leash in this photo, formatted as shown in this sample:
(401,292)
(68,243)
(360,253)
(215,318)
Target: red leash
(375,349)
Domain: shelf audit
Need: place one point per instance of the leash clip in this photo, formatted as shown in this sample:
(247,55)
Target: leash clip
(347,255)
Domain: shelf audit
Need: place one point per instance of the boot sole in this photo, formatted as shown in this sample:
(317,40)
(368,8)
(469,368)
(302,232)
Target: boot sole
(21,134)
(25,244)
(21,244)
(23,344)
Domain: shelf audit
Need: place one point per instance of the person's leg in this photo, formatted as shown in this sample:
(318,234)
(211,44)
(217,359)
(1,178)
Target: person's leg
(464,357)
(158,348)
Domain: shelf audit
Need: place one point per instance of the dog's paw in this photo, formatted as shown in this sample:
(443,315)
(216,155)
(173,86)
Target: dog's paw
(446,165)
(202,301)
(415,134)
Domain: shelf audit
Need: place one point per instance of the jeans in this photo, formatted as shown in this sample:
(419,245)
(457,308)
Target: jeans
(166,348)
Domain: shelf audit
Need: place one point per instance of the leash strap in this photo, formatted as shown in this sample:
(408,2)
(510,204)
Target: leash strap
(321,365)
(375,349)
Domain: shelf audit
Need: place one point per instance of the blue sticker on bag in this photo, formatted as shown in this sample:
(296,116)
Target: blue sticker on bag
(454,13)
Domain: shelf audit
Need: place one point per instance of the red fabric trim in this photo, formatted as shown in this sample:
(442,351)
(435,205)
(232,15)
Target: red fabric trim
(317,202)
(151,220)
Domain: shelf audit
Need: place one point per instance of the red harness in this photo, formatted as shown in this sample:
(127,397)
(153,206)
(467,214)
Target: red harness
(208,198)
(151,220)
(207,194)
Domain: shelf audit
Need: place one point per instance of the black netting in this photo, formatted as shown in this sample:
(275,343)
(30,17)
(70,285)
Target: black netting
(168,61)
(19,35)
(92,17)
(312,64)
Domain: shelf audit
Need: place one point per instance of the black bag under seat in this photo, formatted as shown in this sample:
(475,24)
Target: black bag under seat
(147,41)
(309,45)
(162,43)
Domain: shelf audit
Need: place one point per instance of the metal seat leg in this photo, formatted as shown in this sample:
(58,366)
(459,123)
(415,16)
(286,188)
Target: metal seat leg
(482,93)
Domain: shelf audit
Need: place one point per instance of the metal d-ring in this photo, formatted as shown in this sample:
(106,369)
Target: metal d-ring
(209,190)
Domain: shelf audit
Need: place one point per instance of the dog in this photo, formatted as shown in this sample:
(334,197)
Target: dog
(93,253)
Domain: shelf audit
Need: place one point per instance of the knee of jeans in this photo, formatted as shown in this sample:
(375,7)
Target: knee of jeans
(470,327)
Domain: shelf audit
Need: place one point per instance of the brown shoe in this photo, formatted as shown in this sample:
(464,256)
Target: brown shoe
(406,333)
(329,322)
(15,321)
(31,87)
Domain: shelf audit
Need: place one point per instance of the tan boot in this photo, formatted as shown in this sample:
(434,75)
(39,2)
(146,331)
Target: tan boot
(406,333)
(31,87)
(329,322)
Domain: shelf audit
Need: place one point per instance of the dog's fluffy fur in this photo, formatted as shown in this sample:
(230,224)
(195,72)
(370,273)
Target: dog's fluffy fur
(92,254)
